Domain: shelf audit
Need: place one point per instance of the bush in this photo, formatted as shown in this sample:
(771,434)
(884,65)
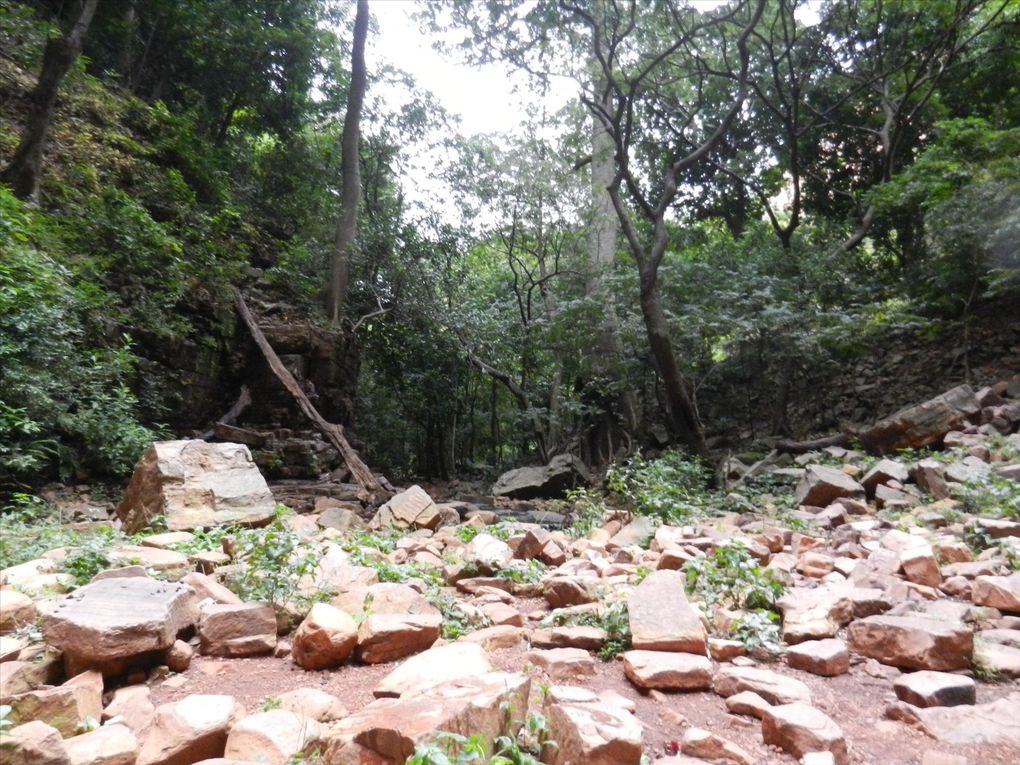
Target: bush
(673,488)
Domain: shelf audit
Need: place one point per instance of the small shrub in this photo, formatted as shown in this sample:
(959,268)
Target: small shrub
(673,487)
(275,558)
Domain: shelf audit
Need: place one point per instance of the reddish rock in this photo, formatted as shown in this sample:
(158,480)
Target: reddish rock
(326,638)
(314,704)
(207,587)
(914,642)
(178,656)
(435,666)
(16,611)
(248,629)
(274,737)
(747,703)
(662,619)
(562,591)
(65,707)
(822,485)
(919,566)
(996,722)
(590,729)
(827,658)
(662,670)
(800,728)
(924,424)
(497,637)
(34,743)
(410,509)
(1001,592)
(387,637)
(935,689)
(192,729)
(132,704)
(771,686)
(562,663)
(109,745)
(698,742)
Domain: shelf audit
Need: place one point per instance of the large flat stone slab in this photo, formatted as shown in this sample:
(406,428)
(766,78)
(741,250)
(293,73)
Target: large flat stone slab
(195,484)
(913,642)
(108,623)
(662,619)
(997,722)
(436,666)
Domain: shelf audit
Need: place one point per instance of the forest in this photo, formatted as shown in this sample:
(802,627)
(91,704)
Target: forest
(743,201)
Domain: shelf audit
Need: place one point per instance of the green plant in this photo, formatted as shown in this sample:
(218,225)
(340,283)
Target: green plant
(269,703)
(89,556)
(612,618)
(588,508)
(525,572)
(730,577)
(673,487)
(275,558)
(759,627)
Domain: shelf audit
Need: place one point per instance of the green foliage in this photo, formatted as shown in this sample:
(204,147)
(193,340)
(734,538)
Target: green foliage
(524,572)
(992,497)
(673,487)
(614,620)
(731,578)
(587,509)
(90,555)
(275,558)
(456,749)
(757,628)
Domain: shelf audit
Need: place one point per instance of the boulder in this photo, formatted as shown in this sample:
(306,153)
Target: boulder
(66,707)
(16,611)
(436,666)
(771,686)
(113,623)
(1001,592)
(412,508)
(109,745)
(248,629)
(699,742)
(313,703)
(822,485)
(34,743)
(133,705)
(590,729)
(388,729)
(827,658)
(912,642)
(935,689)
(800,729)
(563,472)
(884,472)
(925,424)
(562,663)
(196,484)
(192,729)
(387,637)
(662,619)
(996,722)
(487,553)
(661,670)
(326,638)
(812,613)
(273,737)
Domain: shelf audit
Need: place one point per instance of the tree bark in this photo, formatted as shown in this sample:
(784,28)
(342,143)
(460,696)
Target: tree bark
(372,491)
(22,174)
(350,195)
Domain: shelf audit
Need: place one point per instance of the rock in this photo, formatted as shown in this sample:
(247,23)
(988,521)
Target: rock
(661,618)
(562,663)
(178,656)
(563,472)
(637,533)
(435,666)
(207,587)
(16,611)
(132,704)
(496,637)
(109,745)
(771,686)
(487,553)
(192,729)
(109,624)
(314,704)
(388,729)
(919,566)
(340,516)
(935,689)
(248,629)
(387,637)
(196,484)
(822,485)
(814,613)
(273,737)
(996,658)
(326,638)
(34,743)
(996,528)
(1001,592)
(967,470)
(883,473)
(913,642)
(800,728)
(827,658)
(934,757)
(65,707)
(590,729)
(588,638)
(923,425)
(746,703)
(563,591)
(410,509)
(997,722)
(928,475)
(667,671)
(699,742)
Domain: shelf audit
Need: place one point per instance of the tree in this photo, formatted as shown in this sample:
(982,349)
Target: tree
(61,52)
(350,195)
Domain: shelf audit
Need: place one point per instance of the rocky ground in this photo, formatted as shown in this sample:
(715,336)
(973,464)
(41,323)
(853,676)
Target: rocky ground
(833,607)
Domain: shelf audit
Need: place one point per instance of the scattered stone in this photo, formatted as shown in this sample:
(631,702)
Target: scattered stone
(771,686)
(822,485)
(132,704)
(814,613)
(273,737)
(487,553)
(699,742)
(662,619)
(637,533)
(387,637)
(110,624)
(65,707)
(314,704)
(326,638)
(410,509)
(935,689)
(178,656)
(16,611)
(388,729)
(667,671)
(996,722)
(192,729)
(34,743)
(208,588)
(109,745)
(827,658)
(196,484)
(924,424)
(800,728)
(248,629)
(562,663)
(563,591)
(913,642)
(996,658)
(1001,592)
(747,703)
(435,666)
(590,729)
(496,637)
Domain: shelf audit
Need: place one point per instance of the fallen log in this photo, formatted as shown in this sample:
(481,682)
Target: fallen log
(800,447)
(231,415)
(373,492)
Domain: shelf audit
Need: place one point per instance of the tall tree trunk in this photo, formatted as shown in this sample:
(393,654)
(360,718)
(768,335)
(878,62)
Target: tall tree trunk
(683,417)
(350,195)
(22,174)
